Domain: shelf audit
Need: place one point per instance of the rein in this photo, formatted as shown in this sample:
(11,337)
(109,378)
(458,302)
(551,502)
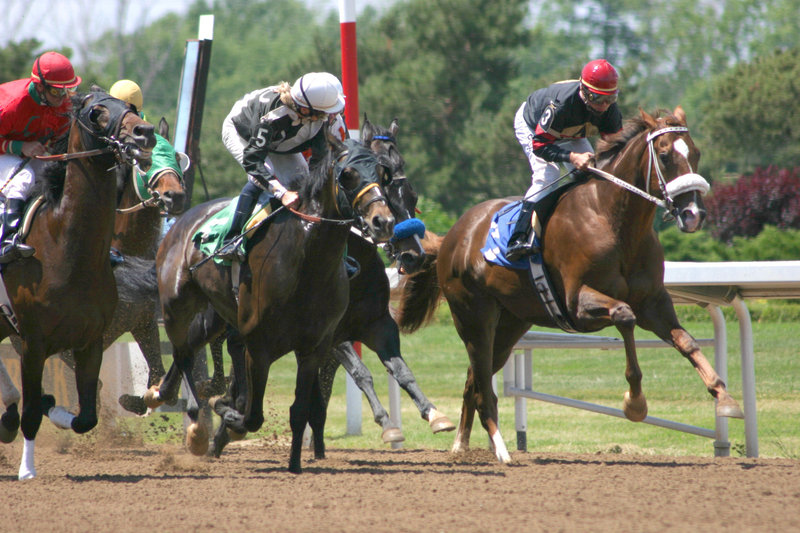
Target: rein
(681,184)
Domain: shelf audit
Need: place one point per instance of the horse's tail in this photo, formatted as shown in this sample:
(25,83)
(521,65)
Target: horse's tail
(419,294)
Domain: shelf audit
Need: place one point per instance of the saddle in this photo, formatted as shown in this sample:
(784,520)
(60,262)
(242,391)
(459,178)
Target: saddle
(497,240)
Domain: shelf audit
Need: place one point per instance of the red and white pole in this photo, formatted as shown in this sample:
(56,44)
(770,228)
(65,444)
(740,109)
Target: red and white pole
(347,30)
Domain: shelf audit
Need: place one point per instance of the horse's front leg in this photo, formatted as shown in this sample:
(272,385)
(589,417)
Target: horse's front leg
(659,317)
(594,308)
(346,355)
(32,368)
(308,408)
(87,373)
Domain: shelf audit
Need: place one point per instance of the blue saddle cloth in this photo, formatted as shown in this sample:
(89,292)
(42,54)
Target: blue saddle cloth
(494,251)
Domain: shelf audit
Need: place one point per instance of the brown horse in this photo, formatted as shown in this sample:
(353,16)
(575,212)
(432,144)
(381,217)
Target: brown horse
(367,318)
(143,201)
(292,288)
(64,295)
(604,259)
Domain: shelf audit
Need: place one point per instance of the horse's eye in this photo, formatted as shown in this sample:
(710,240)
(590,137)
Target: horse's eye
(385,174)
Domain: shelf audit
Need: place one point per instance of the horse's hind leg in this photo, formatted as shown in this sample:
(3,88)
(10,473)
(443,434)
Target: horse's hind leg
(9,421)
(384,338)
(346,355)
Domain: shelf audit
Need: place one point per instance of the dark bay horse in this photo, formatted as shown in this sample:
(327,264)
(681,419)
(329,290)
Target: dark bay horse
(64,295)
(367,318)
(604,259)
(292,288)
(143,199)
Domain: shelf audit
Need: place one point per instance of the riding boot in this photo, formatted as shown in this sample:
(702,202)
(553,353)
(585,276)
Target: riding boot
(520,243)
(11,248)
(230,250)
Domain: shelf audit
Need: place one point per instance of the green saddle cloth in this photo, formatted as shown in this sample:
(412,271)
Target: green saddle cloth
(208,238)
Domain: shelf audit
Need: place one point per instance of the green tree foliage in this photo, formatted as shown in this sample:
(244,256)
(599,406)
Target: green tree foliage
(16,59)
(752,114)
(772,244)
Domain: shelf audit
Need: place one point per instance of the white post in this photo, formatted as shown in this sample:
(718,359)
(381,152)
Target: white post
(353,395)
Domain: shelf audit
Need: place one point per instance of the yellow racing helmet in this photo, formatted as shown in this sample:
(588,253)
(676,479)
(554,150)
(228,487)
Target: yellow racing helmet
(129,92)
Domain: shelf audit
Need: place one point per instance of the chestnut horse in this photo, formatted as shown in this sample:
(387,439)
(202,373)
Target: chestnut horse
(604,260)
(292,289)
(64,295)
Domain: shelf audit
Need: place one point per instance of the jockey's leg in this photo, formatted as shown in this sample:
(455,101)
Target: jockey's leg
(244,208)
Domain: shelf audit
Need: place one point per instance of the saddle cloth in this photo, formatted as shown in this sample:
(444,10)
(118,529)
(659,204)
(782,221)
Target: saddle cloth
(208,238)
(494,251)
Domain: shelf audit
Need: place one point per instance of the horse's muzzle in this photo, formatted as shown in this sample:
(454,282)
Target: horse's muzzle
(691,218)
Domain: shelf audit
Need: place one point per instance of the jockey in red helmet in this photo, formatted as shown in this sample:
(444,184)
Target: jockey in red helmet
(34,112)
(552,126)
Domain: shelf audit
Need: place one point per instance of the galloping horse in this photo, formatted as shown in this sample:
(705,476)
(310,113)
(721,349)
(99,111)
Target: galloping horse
(367,318)
(292,288)
(137,232)
(604,260)
(64,295)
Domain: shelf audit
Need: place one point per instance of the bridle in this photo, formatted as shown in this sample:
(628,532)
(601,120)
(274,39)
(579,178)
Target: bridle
(684,183)
(146,192)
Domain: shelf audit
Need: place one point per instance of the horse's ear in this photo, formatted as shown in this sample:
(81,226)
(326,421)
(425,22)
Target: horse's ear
(394,128)
(163,128)
(367,131)
(649,120)
(680,114)
(337,145)
(96,89)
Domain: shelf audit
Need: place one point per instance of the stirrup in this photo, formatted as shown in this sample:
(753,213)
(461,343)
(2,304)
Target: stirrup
(231,251)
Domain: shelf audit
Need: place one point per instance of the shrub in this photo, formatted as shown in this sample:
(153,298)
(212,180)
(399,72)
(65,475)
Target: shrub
(742,209)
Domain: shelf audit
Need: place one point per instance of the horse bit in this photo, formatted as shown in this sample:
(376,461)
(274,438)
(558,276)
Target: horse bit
(690,181)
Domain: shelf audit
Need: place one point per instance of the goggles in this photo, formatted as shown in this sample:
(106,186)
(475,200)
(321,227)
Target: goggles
(599,99)
(59,92)
(313,114)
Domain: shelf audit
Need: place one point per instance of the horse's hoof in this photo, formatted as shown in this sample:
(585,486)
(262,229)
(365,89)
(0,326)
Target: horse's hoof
(9,424)
(235,435)
(635,409)
(728,408)
(392,435)
(152,399)
(197,438)
(133,404)
(439,422)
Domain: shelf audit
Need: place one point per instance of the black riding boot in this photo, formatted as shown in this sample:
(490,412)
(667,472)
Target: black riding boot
(244,208)
(519,244)
(11,248)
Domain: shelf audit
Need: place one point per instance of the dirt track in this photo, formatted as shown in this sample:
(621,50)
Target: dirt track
(88,486)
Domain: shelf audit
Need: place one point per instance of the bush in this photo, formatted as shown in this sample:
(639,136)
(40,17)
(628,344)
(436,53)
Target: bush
(742,209)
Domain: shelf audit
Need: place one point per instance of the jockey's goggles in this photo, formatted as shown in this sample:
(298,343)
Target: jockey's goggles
(599,99)
(59,92)
(313,114)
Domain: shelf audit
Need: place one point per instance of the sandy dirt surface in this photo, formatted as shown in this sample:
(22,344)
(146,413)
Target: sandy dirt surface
(100,484)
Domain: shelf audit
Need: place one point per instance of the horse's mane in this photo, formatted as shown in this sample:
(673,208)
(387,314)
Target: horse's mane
(312,186)
(610,147)
(50,182)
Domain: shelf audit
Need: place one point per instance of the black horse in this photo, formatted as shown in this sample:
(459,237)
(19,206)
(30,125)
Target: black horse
(367,319)
(292,288)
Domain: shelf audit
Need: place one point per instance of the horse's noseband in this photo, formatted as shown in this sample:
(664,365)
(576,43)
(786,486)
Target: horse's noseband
(681,184)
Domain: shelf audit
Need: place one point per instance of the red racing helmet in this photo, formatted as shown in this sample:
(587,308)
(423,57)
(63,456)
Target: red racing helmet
(52,69)
(600,77)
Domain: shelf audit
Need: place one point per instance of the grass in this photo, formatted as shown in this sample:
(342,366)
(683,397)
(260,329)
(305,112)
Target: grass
(673,389)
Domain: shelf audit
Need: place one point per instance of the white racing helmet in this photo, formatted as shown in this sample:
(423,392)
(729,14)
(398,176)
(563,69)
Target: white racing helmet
(319,91)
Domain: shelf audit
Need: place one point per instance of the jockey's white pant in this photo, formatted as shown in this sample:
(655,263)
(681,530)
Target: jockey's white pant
(544,173)
(17,176)
(286,167)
